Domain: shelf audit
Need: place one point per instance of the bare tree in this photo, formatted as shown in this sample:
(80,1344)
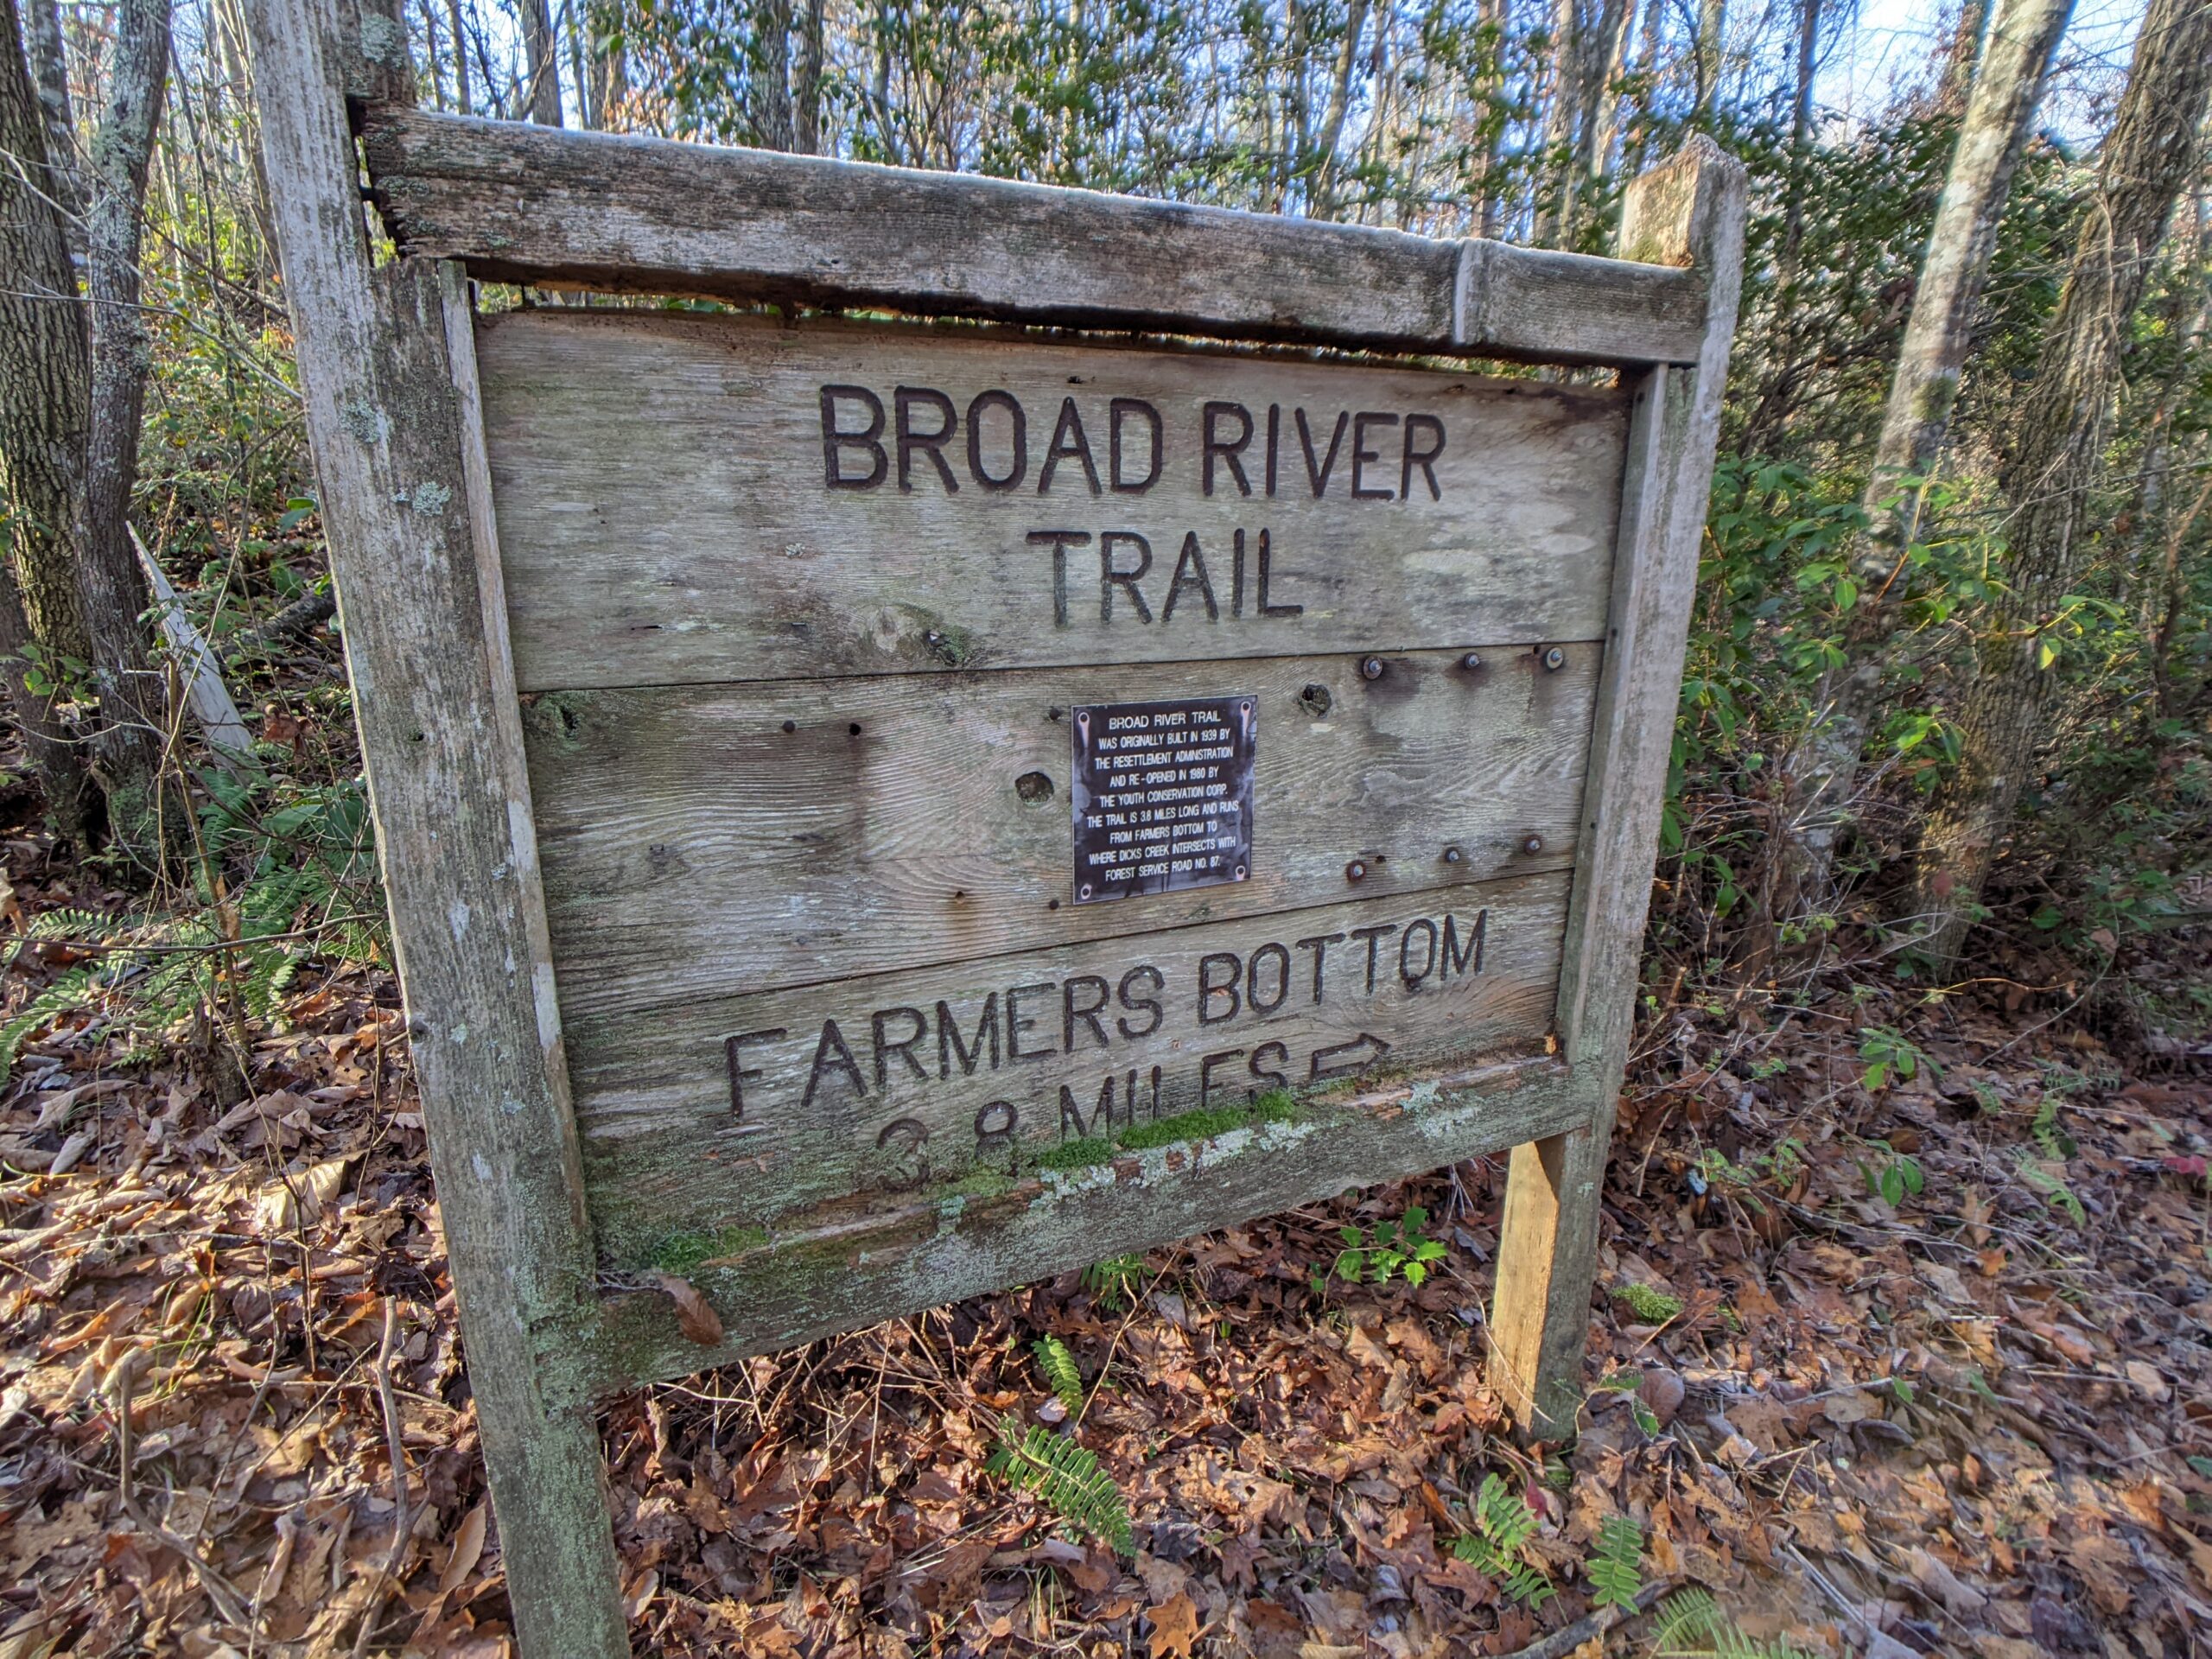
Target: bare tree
(1823,773)
(541,55)
(42,414)
(129,744)
(1712,26)
(2055,452)
(806,84)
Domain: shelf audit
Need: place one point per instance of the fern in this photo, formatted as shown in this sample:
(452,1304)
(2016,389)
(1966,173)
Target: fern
(1068,1478)
(1113,1281)
(2053,1188)
(1617,1570)
(1059,1368)
(1692,1626)
(1503,1525)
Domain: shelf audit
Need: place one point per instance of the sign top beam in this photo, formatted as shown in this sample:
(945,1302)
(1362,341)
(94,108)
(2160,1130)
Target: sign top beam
(627,214)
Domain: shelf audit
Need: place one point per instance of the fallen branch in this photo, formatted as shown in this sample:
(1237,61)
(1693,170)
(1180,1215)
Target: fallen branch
(1563,1641)
(389,1575)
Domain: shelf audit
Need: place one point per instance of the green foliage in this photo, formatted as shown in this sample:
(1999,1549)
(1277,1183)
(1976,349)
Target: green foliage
(1112,1283)
(301,887)
(1616,1566)
(1893,1177)
(1068,1478)
(1692,1625)
(2056,1192)
(1503,1525)
(1632,1383)
(1391,1248)
(1061,1374)
(1888,1053)
(2057,1144)
(1651,1304)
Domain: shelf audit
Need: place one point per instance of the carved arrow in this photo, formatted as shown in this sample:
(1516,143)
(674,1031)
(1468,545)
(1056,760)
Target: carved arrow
(1364,1051)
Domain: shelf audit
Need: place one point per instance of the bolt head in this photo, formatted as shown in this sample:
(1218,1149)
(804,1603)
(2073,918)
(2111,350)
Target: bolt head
(1554,659)
(1471,661)
(1533,844)
(1453,855)
(1370,668)
(1356,871)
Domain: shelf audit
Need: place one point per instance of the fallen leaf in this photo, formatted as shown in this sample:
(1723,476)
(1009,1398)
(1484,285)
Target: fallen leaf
(1174,1627)
(291,1201)
(695,1315)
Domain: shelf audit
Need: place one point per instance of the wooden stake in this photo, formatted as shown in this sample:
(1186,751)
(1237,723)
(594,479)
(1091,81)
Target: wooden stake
(1687,212)
(386,360)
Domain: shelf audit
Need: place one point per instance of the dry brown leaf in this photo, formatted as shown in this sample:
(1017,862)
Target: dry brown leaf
(468,1548)
(1174,1627)
(293,1200)
(695,1315)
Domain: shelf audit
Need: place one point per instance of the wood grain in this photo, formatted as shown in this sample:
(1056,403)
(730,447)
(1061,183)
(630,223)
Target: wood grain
(645,215)
(687,825)
(665,519)
(902,1079)
(1691,211)
(387,374)
(904,1256)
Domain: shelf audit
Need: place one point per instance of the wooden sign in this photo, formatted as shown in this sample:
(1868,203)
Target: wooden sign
(875,811)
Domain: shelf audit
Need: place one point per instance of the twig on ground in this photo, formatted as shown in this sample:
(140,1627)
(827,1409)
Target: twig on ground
(389,1574)
(1563,1641)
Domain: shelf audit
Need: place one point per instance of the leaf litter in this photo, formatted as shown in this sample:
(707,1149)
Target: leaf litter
(1971,1415)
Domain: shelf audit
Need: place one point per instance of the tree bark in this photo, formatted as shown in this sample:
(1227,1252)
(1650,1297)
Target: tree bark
(2054,458)
(460,57)
(1322,192)
(50,63)
(42,404)
(1711,25)
(539,53)
(1823,773)
(129,742)
(1965,51)
(771,84)
(806,86)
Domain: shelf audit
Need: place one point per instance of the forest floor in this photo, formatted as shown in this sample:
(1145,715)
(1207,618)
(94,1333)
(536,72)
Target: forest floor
(1922,1364)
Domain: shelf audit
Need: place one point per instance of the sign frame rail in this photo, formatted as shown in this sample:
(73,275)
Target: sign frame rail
(387,366)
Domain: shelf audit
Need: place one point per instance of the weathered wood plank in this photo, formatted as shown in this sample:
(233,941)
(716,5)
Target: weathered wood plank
(387,373)
(789,833)
(1689,212)
(741,1110)
(937,1246)
(667,514)
(627,214)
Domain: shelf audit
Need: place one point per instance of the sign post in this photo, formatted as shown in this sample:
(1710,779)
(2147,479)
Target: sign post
(873,812)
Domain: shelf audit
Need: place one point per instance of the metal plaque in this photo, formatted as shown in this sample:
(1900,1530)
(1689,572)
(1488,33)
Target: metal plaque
(1162,795)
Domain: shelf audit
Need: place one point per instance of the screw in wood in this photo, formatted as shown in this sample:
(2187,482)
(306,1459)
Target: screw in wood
(1370,668)
(1471,661)
(1356,871)
(1453,855)
(1554,659)
(1533,844)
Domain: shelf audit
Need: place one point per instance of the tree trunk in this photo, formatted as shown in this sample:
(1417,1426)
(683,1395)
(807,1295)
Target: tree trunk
(1965,51)
(43,401)
(50,64)
(539,52)
(2055,456)
(132,706)
(1602,128)
(1322,189)
(806,88)
(1801,135)
(1823,774)
(1711,24)
(771,72)
(460,57)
